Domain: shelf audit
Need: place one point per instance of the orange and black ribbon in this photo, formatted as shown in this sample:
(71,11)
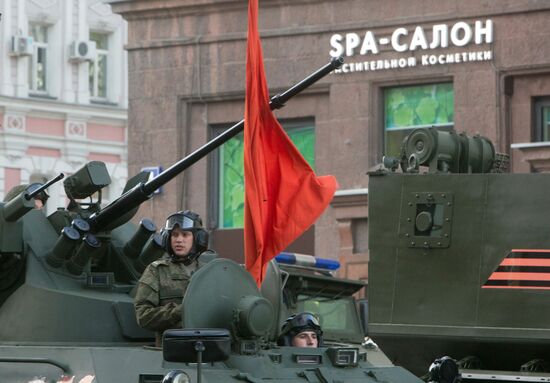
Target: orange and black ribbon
(522,269)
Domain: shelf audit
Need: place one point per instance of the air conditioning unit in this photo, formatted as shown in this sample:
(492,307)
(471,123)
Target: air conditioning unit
(21,46)
(82,51)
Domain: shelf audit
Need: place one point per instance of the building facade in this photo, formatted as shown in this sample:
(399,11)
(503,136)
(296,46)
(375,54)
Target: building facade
(476,67)
(63,92)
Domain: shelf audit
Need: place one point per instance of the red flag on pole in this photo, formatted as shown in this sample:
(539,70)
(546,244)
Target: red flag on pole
(283,196)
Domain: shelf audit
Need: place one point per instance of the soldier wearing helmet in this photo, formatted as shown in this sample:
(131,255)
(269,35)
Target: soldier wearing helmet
(39,199)
(158,300)
(301,330)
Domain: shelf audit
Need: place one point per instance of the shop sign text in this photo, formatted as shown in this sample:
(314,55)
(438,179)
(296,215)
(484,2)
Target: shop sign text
(402,41)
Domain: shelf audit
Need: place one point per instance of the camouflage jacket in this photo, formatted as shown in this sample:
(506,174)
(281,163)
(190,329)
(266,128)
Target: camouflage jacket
(160,291)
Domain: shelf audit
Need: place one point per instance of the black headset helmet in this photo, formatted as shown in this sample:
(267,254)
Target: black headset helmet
(28,188)
(42,196)
(298,323)
(187,221)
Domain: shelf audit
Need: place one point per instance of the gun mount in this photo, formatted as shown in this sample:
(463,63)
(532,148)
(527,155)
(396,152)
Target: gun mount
(447,152)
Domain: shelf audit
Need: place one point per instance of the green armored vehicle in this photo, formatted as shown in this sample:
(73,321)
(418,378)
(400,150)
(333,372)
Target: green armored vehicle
(66,307)
(459,254)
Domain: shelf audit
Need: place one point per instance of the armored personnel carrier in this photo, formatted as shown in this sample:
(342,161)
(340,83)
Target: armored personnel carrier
(459,253)
(66,306)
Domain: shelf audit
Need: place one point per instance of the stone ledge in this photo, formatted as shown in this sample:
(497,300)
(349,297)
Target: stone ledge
(537,154)
(351,203)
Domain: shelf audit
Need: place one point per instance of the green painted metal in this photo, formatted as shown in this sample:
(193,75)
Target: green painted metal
(66,309)
(435,238)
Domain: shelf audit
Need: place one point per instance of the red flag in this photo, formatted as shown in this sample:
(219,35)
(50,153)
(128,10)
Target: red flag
(283,197)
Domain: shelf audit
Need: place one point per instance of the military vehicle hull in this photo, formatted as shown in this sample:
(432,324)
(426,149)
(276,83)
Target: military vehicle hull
(469,278)
(107,364)
(89,334)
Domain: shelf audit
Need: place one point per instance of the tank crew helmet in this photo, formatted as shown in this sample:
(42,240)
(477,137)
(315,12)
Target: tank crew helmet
(42,196)
(187,221)
(28,188)
(298,323)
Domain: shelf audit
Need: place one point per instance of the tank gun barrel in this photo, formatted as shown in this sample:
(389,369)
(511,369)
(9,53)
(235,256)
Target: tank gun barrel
(143,191)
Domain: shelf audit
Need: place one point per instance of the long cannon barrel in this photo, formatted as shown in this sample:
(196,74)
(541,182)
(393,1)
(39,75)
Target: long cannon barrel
(143,191)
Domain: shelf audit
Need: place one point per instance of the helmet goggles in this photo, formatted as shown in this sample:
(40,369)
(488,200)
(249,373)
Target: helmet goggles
(182,221)
(301,322)
(42,196)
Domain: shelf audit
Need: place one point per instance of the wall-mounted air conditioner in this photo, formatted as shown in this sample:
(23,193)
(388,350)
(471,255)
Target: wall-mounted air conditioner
(82,51)
(21,46)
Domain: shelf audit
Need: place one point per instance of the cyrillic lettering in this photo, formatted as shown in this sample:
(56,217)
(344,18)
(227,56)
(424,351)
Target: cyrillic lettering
(369,44)
(481,31)
(455,31)
(336,44)
(450,59)
(418,39)
(425,59)
(411,61)
(396,35)
(440,36)
(402,63)
(487,55)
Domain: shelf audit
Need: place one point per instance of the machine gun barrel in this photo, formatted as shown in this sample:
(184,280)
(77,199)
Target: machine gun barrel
(276,102)
(44,187)
(143,191)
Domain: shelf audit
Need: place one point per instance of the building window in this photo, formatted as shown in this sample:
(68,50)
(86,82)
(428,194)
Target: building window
(542,119)
(419,106)
(98,67)
(39,59)
(229,168)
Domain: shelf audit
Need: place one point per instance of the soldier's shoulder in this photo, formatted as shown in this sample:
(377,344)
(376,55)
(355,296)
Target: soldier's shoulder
(163,261)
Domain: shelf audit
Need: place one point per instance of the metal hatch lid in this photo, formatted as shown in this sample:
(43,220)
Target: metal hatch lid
(307,281)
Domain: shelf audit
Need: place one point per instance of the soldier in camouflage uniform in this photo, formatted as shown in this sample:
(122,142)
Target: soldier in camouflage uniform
(158,301)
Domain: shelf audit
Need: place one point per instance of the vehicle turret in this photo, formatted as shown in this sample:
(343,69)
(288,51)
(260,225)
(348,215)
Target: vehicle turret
(227,319)
(446,152)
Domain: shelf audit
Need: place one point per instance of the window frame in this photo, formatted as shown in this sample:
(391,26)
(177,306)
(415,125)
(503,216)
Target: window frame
(214,173)
(384,89)
(33,62)
(538,106)
(93,81)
